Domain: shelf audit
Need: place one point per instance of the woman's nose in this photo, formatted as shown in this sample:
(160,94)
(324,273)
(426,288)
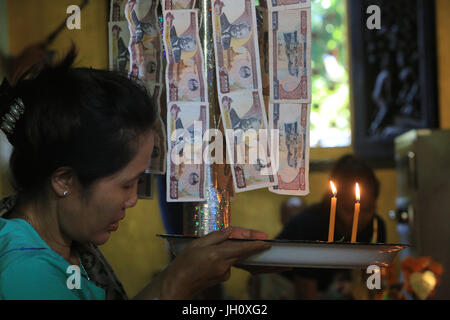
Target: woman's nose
(132,201)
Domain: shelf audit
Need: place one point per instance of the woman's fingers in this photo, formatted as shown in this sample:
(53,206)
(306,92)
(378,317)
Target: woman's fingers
(232,232)
(212,238)
(241,249)
(244,233)
(208,260)
(255,234)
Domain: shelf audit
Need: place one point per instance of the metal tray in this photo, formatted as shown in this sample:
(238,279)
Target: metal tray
(309,254)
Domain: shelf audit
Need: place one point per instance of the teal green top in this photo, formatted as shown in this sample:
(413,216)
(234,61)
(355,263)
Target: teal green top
(31,270)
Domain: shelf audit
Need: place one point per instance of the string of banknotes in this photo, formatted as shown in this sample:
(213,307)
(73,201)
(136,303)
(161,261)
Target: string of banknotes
(240,93)
(187,102)
(135,48)
(263,74)
(290,91)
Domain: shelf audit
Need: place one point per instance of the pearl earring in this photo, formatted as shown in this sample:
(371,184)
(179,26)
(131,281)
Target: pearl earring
(65,193)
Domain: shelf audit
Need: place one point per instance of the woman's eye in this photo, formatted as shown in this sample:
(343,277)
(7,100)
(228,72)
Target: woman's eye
(129,186)
(141,179)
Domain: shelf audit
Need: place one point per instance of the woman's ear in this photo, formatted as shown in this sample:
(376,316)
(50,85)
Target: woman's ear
(63,181)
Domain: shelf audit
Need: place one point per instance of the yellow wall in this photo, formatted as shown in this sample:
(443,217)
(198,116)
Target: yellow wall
(31,21)
(443,36)
(134,251)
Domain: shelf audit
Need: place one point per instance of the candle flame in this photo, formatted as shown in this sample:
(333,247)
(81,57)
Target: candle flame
(357,193)
(333,188)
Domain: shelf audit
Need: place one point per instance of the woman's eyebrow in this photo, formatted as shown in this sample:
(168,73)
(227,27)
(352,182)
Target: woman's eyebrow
(137,176)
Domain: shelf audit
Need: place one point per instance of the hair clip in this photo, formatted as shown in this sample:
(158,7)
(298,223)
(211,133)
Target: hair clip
(16,110)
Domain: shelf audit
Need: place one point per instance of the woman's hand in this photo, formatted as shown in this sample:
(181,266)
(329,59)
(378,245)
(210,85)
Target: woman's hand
(207,261)
(242,233)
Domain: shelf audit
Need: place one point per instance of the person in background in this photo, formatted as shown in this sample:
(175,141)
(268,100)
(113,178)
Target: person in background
(313,223)
(290,208)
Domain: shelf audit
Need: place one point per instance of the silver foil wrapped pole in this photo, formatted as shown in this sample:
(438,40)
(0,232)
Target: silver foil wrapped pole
(214,214)
(201,218)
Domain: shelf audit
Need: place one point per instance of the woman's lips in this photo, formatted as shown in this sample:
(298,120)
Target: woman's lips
(113,226)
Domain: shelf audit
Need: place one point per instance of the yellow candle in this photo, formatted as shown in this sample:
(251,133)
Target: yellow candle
(332,213)
(356,214)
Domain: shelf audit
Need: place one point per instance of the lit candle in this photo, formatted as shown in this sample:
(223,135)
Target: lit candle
(356,214)
(332,213)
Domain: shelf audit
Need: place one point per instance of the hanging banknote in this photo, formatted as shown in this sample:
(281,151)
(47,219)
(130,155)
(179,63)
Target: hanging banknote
(292,123)
(145,46)
(158,158)
(177,4)
(236,45)
(146,64)
(185,80)
(119,37)
(225,179)
(244,115)
(117,10)
(145,186)
(187,123)
(290,56)
(288,4)
(263,39)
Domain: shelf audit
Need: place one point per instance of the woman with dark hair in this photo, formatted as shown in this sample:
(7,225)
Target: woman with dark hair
(81,140)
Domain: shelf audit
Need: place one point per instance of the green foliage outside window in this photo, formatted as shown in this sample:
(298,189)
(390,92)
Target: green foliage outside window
(330,112)
(330,108)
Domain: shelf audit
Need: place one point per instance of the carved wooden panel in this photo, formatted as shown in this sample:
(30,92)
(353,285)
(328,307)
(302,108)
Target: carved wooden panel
(393,73)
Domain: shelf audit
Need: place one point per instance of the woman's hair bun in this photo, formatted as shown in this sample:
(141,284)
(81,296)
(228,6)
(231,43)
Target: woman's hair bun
(62,67)
(12,106)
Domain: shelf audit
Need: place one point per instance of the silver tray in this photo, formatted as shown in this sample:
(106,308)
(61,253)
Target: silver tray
(309,254)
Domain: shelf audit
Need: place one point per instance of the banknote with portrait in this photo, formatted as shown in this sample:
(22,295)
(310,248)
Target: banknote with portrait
(158,158)
(236,45)
(145,186)
(186,126)
(117,10)
(145,45)
(119,38)
(263,40)
(146,65)
(159,155)
(225,179)
(292,123)
(177,4)
(248,143)
(290,56)
(185,77)
(288,4)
